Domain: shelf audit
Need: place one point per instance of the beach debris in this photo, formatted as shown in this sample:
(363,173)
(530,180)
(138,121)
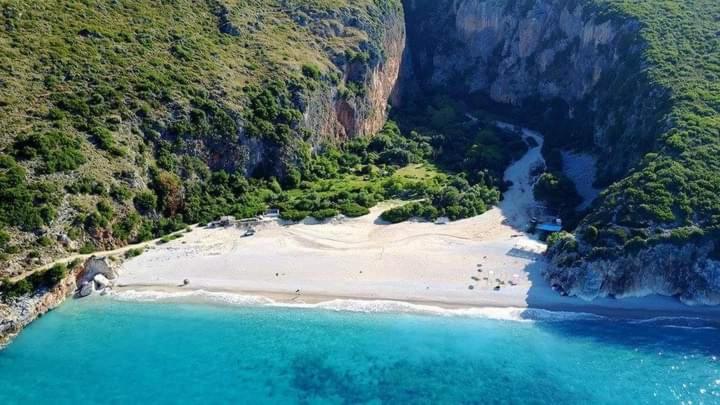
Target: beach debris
(497,288)
(475,278)
(277,274)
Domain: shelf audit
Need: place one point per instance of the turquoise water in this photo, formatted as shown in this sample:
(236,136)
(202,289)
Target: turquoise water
(109,351)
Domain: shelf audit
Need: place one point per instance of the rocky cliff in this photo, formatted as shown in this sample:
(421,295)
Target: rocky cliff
(331,115)
(14,316)
(546,62)
(688,271)
(95,273)
(594,75)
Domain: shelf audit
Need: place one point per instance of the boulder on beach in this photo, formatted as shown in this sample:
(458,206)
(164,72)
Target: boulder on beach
(98,265)
(86,289)
(101,281)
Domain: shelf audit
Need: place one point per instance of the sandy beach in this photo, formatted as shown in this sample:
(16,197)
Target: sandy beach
(459,264)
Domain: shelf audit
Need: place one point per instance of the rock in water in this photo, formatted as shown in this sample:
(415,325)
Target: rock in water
(86,289)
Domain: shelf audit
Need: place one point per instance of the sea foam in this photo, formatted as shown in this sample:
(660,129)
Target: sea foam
(357,305)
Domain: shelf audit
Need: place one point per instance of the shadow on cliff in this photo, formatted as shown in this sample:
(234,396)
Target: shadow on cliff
(670,333)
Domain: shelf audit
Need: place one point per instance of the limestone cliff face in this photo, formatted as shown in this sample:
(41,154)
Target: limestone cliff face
(686,271)
(554,61)
(20,313)
(575,70)
(332,115)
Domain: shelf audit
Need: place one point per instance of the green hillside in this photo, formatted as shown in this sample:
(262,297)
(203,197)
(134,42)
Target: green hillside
(114,113)
(674,194)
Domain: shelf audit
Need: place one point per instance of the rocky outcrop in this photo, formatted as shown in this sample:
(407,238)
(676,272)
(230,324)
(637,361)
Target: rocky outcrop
(577,71)
(21,312)
(687,271)
(545,62)
(335,114)
(96,273)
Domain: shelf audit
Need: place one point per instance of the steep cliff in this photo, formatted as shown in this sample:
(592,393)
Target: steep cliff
(631,83)
(546,62)
(17,314)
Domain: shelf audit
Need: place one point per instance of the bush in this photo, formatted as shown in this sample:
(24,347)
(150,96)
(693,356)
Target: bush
(87,248)
(120,193)
(105,140)
(294,215)
(54,275)
(557,190)
(169,189)
(4,239)
(145,201)
(134,253)
(88,185)
(58,151)
(12,290)
(311,72)
(353,210)
(324,213)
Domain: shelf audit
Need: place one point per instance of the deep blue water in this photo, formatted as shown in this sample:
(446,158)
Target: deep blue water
(108,351)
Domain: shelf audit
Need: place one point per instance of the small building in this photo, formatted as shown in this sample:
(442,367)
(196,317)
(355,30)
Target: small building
(227,220)
(442,221)
(272,213)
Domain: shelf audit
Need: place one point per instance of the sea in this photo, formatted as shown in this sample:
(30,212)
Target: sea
(224,349)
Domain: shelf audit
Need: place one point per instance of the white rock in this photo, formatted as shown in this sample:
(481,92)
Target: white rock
(101,281)
(99,265)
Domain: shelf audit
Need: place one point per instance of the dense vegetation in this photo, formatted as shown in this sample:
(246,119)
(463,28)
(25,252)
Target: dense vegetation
(673,193)
(39,280)
(127,120)
(124,120)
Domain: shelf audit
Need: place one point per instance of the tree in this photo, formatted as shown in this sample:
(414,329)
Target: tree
(170,193)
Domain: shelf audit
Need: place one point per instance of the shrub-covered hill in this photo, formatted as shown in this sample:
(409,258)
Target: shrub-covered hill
(114,113)
(634,82)
(664,218)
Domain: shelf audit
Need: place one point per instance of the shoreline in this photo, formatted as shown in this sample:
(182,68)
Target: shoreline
(482,262)
(635,309)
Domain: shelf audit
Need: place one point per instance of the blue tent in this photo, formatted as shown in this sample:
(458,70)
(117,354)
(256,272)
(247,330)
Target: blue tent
(549,227)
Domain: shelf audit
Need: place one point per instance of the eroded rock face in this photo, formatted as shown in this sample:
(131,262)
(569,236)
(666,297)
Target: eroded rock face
(686,271)
(553,61)
(21,312)
(576,71)
(95,266)
(334,116)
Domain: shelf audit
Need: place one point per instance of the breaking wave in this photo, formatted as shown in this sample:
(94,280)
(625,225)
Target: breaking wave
(357,305)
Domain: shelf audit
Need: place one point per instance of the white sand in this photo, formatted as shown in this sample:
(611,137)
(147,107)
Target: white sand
(365,259)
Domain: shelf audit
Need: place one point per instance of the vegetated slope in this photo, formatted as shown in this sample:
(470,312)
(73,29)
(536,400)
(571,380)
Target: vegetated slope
(114,115)
(658,230)
(634,82)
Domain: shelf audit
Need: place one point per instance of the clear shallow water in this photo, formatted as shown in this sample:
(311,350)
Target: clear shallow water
(109,351)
